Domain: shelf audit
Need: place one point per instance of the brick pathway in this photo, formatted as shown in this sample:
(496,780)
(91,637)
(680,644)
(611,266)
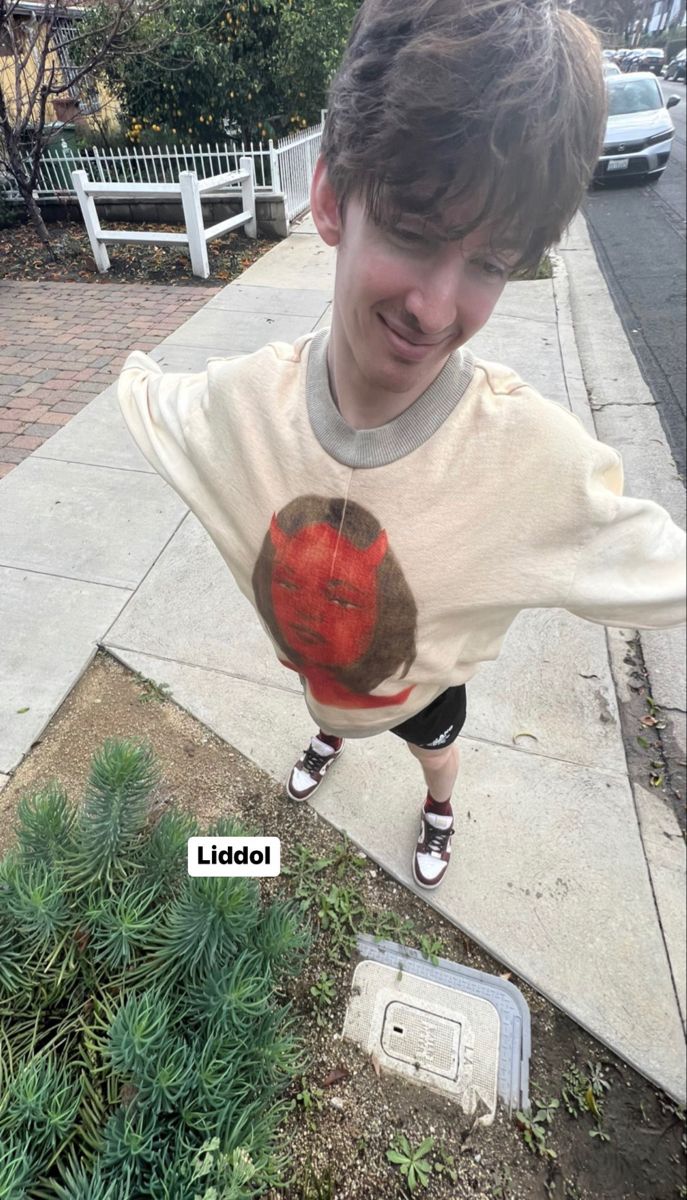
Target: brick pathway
(61,344)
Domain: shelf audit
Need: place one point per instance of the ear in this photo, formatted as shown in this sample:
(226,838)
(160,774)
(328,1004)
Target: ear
(324,206)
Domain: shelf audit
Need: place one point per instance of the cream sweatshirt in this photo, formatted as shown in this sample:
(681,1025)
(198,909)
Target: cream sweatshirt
(386,564)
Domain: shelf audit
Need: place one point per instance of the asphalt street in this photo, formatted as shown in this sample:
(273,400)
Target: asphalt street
(638,232)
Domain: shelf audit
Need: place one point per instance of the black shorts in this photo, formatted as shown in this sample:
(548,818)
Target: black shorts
(438,724)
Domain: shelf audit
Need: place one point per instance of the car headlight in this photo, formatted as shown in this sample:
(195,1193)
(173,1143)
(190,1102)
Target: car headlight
(661,137)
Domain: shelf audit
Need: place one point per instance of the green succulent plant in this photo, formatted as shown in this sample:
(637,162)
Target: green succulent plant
(46,822)
(114,812)
(139,1014)
(16,1167)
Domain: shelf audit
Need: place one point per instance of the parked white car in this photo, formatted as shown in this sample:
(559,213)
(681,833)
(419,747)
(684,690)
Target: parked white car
(639,132)
(610,68)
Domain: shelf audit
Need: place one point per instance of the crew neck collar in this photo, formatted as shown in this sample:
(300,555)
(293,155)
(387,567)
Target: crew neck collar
(378,447)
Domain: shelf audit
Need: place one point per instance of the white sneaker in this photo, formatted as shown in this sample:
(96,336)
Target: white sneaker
(311,768)
(433,850)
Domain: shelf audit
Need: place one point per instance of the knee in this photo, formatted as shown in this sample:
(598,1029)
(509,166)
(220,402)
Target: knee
(441,757)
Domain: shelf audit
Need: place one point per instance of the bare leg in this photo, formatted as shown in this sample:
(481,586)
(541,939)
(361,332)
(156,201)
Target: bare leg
(440,769)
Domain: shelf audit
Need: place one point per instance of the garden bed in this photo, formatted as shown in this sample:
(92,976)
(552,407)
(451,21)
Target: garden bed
(24,257)
(626,1140)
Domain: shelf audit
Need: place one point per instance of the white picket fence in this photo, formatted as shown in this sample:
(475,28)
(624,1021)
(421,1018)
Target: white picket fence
(147,164)
(283,169)
(189,190)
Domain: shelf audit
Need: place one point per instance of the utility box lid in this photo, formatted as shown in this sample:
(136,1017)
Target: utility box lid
(450,1028)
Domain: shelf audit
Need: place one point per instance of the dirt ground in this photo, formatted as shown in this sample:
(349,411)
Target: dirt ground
(345,1113)
(23,256)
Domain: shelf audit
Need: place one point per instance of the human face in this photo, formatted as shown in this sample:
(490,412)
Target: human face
(406,296)
(328,617)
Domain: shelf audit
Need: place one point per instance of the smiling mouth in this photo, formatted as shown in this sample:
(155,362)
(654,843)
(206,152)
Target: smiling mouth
(410,340)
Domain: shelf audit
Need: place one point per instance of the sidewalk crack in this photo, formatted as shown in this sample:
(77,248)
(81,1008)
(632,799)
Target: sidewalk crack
(597,406)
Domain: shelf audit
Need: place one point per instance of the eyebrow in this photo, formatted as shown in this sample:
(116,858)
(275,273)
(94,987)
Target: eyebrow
(421,225)
(345,583)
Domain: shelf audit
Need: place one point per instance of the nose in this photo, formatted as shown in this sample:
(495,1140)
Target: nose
(432,301)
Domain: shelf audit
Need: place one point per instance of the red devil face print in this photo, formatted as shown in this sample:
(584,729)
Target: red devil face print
(324,593)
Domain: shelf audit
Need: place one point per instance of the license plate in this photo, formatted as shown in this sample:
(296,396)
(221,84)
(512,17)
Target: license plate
(618,164)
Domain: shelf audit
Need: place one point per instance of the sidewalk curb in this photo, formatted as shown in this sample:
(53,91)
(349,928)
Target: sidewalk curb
(606,365)
(593,345)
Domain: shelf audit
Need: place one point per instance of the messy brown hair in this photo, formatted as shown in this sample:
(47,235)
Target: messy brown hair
(495,103)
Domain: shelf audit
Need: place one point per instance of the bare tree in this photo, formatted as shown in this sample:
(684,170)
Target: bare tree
(35,76)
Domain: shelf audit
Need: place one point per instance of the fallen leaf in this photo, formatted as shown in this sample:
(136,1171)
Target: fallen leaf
(375,1063)
(23,710)
(649,721)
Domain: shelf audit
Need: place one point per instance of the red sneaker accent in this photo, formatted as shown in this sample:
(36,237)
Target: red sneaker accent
(433,850)
(311,768)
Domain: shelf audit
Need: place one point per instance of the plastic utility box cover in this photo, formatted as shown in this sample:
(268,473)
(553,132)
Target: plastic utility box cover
(458,1031)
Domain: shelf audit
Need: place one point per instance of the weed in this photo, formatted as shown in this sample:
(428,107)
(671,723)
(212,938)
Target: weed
(411,1161)
(316,1187)
(392,926)
(445,1164)
(341,914)
(535,1128)
(343,862)
(583,1093)
(547,1110)
(153,691)
(598,1132)
(346,862)
(339,907)
(431,948)
(310,1096)
(322,992)
(502,1184)
(327,887)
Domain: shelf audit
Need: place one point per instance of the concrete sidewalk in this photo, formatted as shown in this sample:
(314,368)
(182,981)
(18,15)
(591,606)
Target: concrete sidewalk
(556,874)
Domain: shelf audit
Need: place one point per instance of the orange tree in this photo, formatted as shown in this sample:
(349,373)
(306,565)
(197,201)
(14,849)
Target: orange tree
(251,69)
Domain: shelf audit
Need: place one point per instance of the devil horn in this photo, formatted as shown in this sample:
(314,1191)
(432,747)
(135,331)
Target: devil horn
(277,536)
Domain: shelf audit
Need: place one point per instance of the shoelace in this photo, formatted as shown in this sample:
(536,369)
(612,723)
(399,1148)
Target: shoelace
(313,762)
(436,840)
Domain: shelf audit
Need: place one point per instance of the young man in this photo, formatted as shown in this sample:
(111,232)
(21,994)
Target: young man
(386,501)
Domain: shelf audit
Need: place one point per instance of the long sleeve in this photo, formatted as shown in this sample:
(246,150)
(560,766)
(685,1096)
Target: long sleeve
(631,568)
(159,410)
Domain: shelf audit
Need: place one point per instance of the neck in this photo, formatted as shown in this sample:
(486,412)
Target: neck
(361,405)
